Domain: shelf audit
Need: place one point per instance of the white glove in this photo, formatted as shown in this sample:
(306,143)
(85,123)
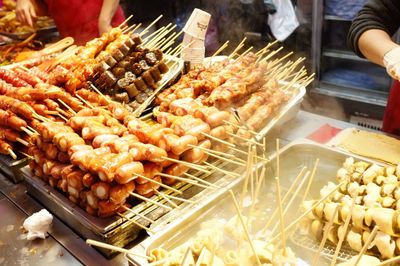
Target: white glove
(391,60)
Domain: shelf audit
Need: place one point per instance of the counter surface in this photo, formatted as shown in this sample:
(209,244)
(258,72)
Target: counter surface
(64,246)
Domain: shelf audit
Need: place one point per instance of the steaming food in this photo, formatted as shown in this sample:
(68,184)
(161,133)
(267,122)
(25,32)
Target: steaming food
(375,191)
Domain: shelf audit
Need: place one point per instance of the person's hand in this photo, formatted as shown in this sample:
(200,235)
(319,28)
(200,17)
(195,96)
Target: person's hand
(25,11)
(104,26)
(391,60)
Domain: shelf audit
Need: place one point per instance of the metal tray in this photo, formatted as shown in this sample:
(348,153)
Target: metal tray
(11,168)
(292,158)
(113,230)
(41,33)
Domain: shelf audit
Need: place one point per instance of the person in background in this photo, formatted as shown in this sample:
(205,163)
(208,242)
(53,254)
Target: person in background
(82,20)
(370,37)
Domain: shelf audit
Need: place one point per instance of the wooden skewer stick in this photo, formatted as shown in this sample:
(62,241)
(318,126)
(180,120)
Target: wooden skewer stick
(99,92)
(240,127)
(311,179)
(41,118)
(366,244)
(63,117)
(160,184)
(250,141)
(136,28)
(27,131)
(59,110)
(280,59)
(244,53)
(344,233)
(159,37)
(162,195)
(152,35)
(325,237)
(249,168)
(222,171)
(270,55)
(389,261)
(125,21)
(150,201)
(33,130)
(224,159)
(171,42)
(49,112)
(198,179)
(150,25)
(23,142)
(135,223)
(219,140)
(129,28)
(12,154)
(267,47)
(186,180)
(27,155)
(191,165)
(223,47)
(288,193)
(138,214)
(258,187)
(164,41)
(114,248)
(67,106)
(180,199)
(209,151)
(294,223)
(84,101)
(246,231)
(240,45)
(281,218)
(289,204)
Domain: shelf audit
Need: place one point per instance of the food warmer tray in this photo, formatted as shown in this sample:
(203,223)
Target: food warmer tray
(11,168)
(113,230)
(42,33)
(293,158)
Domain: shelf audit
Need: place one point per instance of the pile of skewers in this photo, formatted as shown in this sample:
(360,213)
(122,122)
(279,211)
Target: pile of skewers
(363,212)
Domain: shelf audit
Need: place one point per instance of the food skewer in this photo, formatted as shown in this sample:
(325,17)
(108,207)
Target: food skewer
(238,47)
(219,152)
(135,223)
(246,231)
(366,244)
(125,21)
(84,101)
(180,199)
(310,180)
(150,25)
(222,171)
(281,219)
(190,165)
(217,139)
(325,237)
(99,92)
(189,181)
(344,233)
(92,242)
(67,106)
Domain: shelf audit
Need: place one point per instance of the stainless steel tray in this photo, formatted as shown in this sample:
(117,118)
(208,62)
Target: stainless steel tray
(11,168)
(293,157)
(113,230)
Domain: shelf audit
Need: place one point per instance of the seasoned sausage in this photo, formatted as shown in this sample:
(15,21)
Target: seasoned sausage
(89,179)
(106,172)
(218,118)
(147,189)
(196,155)
(106,208)
(63,157)
(128,172)
(100,139)
(119,193)
(183,144)
(101,190)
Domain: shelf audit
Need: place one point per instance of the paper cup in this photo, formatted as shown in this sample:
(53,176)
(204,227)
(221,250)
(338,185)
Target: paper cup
(197,24)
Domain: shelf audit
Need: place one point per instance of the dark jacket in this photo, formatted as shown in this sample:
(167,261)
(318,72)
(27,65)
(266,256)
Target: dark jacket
(376,14)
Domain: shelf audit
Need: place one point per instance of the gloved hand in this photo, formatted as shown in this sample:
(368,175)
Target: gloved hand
(391,60)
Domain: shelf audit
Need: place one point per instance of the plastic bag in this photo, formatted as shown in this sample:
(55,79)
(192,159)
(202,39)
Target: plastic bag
(284,21)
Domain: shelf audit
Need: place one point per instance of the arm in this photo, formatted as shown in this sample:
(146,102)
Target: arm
(107,13)
(370,32)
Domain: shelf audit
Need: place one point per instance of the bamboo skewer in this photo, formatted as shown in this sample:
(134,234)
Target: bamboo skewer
(160,184)
(289,204)
(150,201)
(99,92)
(246,231)
(23,142)
(67,106)
(258,187)
(249,167)
(12,154)
(222,171)
(162,195)
(219,140)
(310,180)
(366,244)
(135,223)
(281,218)
(244,53)
(288,193)
(344,233)
(180,199)
(218,152)
(224,159)
(186,180)
(223,47)
(84,101)
(290,226)
(59,110)
(240,45)
(244,139)
(171,42)
(201,180)
(114,248)
(138,214)
(125,21)
(128,28)
(152,35)
(63,117)
(150,25)
(28,132)
(190,165)
(325,237)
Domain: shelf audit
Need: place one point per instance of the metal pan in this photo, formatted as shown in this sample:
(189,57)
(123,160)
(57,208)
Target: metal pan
(292,158)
